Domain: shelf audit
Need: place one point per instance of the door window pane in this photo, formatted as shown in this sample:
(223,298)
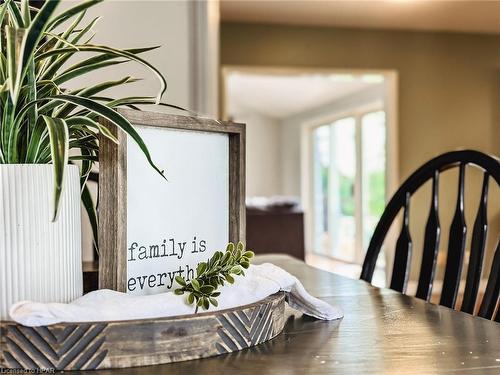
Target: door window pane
(321,168)
(373,178)
(342,179)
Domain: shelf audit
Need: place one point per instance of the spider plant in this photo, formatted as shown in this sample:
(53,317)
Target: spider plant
(40,119)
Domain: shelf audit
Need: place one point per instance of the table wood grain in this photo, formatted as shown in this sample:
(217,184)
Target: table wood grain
(382,332)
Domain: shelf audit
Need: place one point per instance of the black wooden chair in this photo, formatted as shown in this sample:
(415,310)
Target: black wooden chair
(457,238)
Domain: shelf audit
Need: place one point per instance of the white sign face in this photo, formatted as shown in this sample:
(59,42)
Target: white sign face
(173,225)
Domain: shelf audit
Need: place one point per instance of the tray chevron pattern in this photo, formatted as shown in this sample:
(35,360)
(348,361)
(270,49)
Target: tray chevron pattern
(88,346)
(242,329)
(55,347)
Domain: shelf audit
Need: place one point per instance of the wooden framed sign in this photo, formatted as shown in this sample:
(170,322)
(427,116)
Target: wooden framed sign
(151,230)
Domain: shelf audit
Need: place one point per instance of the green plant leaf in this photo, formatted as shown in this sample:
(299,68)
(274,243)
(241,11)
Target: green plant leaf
(84,157)
(31,38)
(202,267)
(87,157)
(238,254)
(196,285)
(116,53)
(226,257)
(207,289)
(91,213)
(25,11)
(62,17)
(240,246)
(71,74)
(66,109)
(235,269)
(105,57)
(55,62)
(15,14)
(87,122)
(206,304)
(180,280)
(14,38)
(62,40)
(36,142)
(59,139)
(214,282)
(3,10)
(248,254)
(101,110)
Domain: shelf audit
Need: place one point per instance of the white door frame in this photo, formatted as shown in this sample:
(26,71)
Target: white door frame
(203,33)
(391,109)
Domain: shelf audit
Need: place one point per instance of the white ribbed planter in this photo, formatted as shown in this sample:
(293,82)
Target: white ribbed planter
(40,260)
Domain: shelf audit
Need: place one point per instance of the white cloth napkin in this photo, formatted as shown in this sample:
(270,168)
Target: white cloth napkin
(105,305)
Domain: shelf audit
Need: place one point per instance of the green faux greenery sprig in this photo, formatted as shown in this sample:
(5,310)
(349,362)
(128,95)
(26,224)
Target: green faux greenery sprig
(214,273)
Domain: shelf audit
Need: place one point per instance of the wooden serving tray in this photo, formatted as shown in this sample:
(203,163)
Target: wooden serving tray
(117,344)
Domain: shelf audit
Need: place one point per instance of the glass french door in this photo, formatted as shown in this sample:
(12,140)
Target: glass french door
(348,178)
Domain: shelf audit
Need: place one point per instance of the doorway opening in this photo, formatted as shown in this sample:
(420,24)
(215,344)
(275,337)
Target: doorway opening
(327,138)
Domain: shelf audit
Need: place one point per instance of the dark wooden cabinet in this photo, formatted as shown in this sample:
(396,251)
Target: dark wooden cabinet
(276,231)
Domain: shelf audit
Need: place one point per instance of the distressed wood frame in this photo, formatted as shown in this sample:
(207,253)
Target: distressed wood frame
(113,186)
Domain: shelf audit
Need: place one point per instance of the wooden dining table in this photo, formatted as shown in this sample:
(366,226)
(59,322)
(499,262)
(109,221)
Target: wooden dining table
(382,332)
